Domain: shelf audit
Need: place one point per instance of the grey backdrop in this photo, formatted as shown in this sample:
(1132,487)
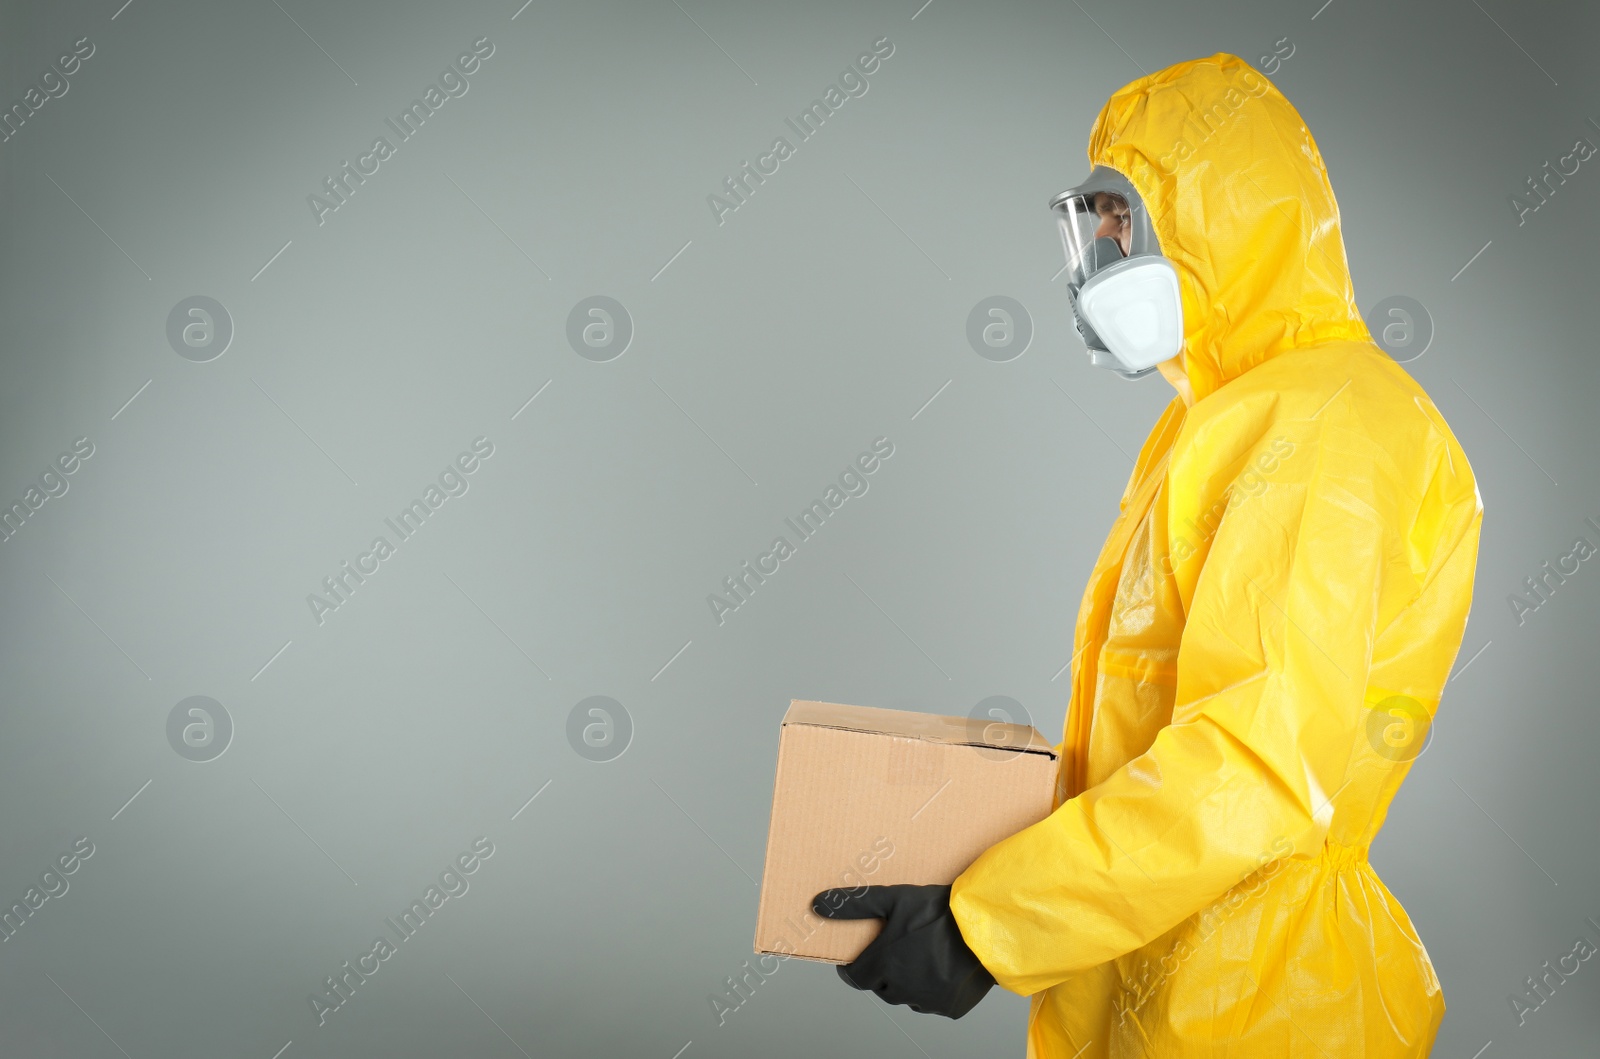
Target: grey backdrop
(368,751)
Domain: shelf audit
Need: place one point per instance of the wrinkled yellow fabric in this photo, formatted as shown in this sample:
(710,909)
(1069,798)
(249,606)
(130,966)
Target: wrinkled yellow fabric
(1296,548)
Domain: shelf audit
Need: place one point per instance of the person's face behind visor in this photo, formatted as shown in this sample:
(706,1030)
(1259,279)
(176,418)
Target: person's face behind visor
(1112,209)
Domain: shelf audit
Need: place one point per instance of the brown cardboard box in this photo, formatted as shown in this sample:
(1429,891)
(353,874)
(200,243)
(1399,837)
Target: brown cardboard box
(869,796)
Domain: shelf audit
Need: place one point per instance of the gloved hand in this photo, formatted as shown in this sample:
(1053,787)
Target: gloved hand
(920,959)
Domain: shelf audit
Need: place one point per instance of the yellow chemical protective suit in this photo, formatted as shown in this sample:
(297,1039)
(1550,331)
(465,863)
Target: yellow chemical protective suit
(1262,641)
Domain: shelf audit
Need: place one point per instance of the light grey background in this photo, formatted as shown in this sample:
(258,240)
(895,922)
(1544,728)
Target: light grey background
(370,750)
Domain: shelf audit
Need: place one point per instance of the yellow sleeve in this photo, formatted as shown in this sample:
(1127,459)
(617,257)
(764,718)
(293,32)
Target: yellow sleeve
(1282,617)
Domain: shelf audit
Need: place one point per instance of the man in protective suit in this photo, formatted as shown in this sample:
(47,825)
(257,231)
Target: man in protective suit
(1261,646)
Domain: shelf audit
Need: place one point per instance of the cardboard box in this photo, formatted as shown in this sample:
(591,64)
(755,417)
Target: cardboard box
(869,796)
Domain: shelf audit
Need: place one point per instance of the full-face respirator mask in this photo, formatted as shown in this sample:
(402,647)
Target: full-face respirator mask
(1124,293)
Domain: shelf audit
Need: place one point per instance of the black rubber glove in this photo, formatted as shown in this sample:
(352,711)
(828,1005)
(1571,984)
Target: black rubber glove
(920,959)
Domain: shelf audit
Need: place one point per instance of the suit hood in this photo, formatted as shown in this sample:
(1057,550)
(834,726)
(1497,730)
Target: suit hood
(1240,200)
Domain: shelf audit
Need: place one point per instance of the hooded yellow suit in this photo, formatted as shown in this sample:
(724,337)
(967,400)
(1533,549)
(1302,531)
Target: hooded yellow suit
(1262,642)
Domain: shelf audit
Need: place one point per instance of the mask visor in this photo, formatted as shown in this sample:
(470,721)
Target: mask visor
(1095,233)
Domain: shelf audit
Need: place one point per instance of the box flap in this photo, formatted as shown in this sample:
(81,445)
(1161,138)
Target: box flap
(934,728)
